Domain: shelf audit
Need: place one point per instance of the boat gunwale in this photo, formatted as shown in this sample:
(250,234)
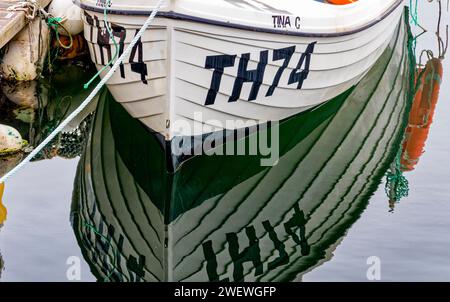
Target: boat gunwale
(185,17)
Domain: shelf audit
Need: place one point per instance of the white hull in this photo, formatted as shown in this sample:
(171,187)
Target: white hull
(174,91)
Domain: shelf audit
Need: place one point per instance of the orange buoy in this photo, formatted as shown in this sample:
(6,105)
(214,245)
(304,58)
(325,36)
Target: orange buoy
(341,2)
(422,112)
(3,211)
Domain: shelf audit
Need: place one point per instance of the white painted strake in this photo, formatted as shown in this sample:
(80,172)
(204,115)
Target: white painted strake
(316,17)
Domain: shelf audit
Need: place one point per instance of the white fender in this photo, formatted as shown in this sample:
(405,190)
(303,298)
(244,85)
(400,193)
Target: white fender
(10,140)
(23,58)
(70,15)
(26,94)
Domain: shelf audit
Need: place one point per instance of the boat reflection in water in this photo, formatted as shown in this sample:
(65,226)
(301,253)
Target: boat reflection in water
(37,107)
(427,83)
(226,217)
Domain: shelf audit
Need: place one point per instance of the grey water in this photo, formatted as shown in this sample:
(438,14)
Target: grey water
(411,241)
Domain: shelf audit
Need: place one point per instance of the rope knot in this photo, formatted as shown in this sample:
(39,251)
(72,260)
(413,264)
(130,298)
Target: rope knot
(29,7)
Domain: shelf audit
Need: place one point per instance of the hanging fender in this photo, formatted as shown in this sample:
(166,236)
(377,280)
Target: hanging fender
(428,84)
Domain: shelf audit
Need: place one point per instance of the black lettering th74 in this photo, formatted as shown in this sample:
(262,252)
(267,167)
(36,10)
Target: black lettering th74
(256,76)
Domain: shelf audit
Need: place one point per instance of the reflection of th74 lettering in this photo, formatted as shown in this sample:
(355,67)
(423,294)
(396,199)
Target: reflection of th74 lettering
(256,76)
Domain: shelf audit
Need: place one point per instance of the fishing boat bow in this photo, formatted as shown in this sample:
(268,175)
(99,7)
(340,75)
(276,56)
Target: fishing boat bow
(208,66)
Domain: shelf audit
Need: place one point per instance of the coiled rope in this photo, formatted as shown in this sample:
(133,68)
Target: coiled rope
(31,10)
(397,185)
(29,7)
(54,23)
(89,99)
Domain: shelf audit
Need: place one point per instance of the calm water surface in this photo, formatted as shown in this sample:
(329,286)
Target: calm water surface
(412,241)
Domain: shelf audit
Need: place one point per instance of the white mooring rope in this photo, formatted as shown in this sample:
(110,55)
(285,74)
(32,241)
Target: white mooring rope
(89,98)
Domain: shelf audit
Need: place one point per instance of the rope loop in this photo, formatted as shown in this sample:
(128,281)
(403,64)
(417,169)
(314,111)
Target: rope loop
(55,23)
(29,7)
